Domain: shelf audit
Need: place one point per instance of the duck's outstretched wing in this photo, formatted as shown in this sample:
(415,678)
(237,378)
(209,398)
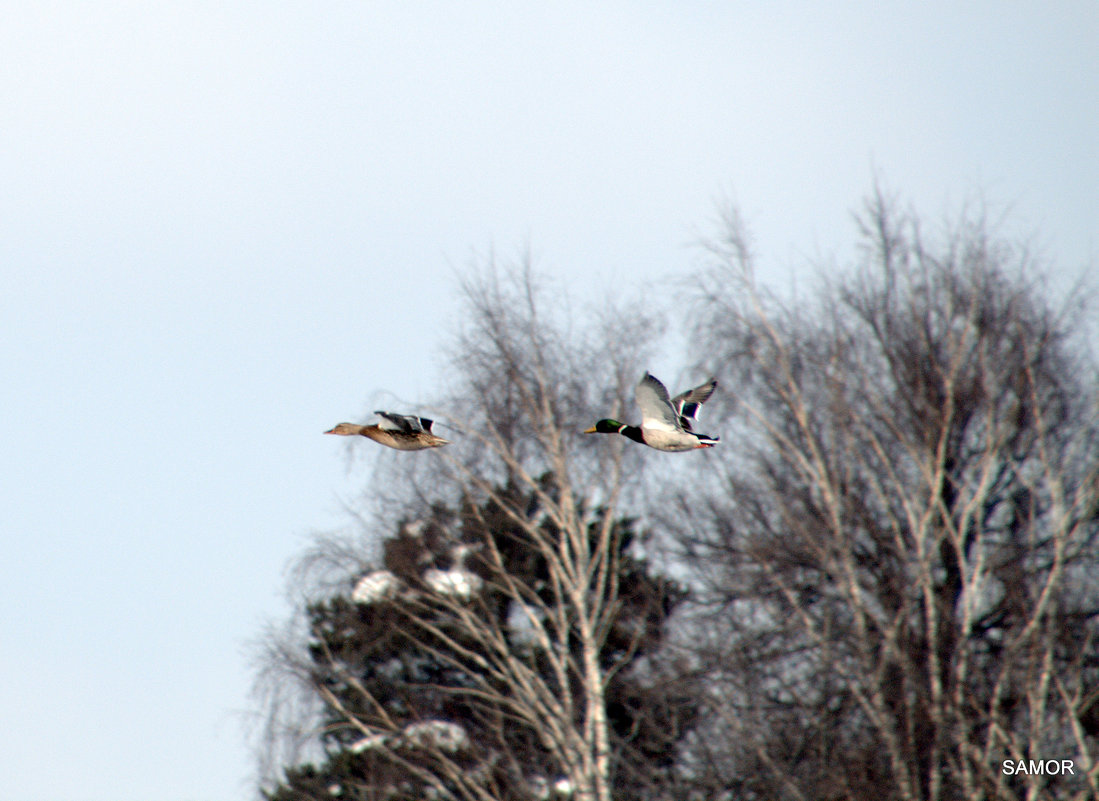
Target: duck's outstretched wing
(687,404)
(656,407)
(404,423)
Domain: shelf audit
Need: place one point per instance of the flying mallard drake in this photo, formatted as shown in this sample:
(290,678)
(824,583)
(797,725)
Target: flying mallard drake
(405,432)
(665,422)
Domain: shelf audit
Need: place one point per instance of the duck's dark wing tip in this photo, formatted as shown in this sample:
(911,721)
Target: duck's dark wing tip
(654,382)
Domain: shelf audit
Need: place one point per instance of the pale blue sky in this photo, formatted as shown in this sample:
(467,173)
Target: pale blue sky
(226,226)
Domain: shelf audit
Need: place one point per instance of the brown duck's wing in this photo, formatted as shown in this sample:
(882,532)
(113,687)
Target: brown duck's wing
(404,423)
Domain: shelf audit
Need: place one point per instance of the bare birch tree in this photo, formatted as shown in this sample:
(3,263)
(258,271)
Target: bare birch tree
(901,560)
(505,646)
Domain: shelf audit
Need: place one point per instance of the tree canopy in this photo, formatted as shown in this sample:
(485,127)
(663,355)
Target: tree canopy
(901,564)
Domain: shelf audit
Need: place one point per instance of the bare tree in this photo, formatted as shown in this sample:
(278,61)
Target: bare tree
(900,563)
(506,645)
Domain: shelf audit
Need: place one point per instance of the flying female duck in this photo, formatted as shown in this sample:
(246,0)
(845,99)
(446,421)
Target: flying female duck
(665,422)
(405,432)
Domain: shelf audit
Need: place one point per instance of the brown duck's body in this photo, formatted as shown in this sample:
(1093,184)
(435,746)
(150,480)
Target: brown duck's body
(399,431)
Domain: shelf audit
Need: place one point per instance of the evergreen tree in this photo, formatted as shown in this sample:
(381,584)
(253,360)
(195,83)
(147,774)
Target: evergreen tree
(410,711)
